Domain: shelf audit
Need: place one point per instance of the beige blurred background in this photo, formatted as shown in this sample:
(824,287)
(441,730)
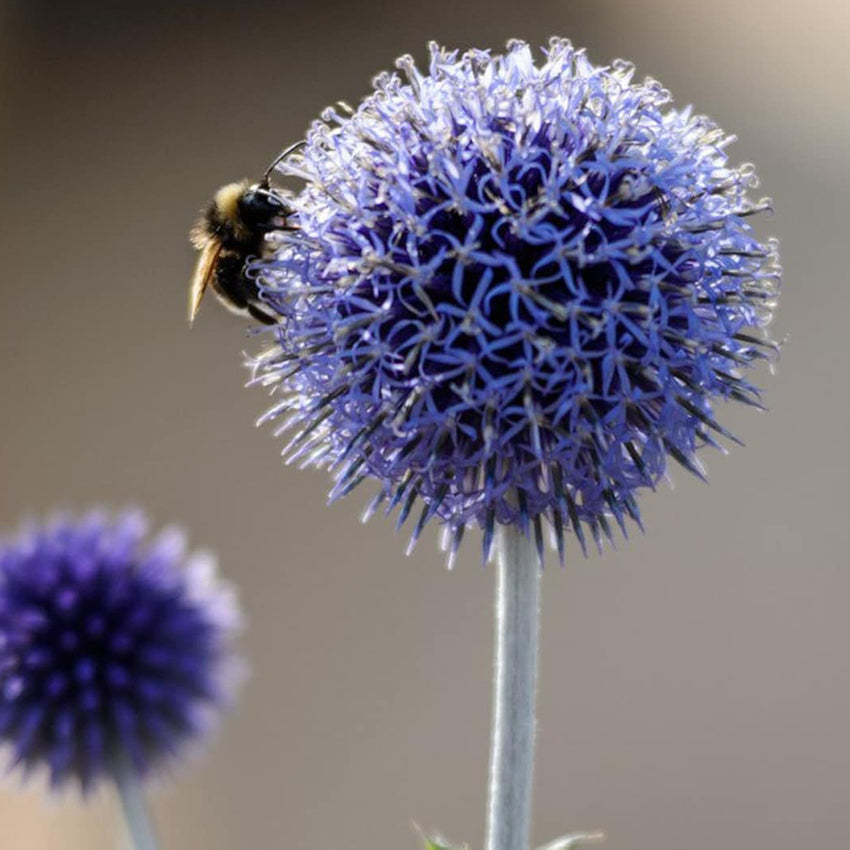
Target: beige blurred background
(695,691)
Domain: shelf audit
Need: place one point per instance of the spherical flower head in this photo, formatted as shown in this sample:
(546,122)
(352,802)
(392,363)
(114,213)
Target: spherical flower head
(113,650)
(516,290)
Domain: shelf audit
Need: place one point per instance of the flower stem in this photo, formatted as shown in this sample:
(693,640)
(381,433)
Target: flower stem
(139,824)
(512,747)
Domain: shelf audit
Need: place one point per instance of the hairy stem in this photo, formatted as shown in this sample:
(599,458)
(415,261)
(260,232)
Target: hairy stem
(512,747)
(139,825)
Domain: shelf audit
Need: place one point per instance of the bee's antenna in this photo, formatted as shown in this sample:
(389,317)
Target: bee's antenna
(281,157)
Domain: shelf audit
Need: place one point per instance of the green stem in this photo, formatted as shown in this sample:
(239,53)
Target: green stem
(138,821)
(512,748)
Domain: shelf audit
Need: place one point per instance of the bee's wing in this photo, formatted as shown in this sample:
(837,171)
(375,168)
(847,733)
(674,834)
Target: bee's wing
(204,270)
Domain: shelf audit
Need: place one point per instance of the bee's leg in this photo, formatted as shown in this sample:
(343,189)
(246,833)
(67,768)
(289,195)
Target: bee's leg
(264,315)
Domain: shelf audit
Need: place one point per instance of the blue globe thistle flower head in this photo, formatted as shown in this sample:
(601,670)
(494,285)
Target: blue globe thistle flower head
(517,289)
(112,649)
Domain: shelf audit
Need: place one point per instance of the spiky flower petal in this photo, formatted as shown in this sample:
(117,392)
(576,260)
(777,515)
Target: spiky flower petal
(516,290)
(111,648)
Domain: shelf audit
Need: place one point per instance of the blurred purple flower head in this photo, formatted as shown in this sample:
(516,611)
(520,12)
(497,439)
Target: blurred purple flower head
(111,648)
(516,291)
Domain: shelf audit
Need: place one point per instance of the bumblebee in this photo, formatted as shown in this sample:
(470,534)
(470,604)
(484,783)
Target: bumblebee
(231,230)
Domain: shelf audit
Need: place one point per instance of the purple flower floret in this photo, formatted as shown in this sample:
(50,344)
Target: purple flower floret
(112,649)
(516,290)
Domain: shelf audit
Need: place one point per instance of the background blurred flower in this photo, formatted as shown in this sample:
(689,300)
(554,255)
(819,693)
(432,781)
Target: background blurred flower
(113,651)
(515,292)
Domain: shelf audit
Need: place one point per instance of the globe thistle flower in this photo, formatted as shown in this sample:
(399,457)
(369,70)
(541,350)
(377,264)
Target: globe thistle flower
(114,651)
(516,290)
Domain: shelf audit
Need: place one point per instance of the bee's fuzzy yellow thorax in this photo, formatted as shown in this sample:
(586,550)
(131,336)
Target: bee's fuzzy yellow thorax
(226,199)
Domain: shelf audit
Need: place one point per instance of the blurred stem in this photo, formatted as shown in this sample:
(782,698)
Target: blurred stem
(512,747)
(136,816)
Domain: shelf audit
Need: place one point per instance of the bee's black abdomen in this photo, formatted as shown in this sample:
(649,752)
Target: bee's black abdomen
(237,290)
(228,279)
